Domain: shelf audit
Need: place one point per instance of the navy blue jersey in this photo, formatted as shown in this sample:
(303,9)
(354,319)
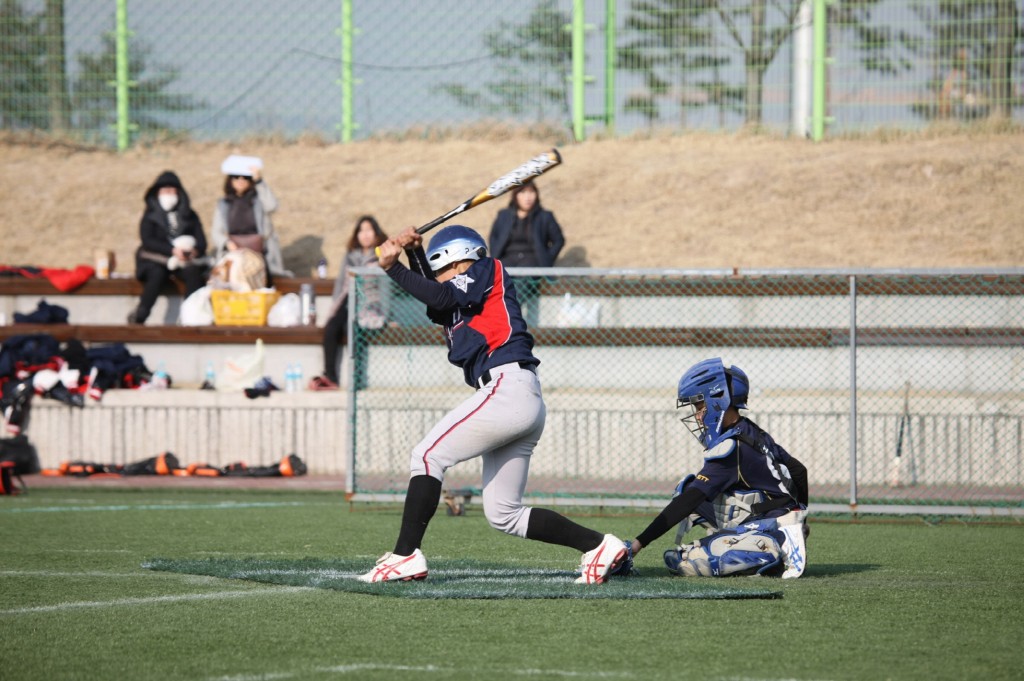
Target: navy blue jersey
(479,310)
(751,460)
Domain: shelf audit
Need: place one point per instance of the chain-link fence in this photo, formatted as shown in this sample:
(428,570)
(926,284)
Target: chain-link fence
(896,390)
(115,70)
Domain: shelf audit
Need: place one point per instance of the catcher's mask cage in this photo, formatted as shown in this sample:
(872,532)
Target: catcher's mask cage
(694,420)
(455,243)
(705,388)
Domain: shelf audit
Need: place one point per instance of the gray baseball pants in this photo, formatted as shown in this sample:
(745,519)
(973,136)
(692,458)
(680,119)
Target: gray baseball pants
(502,423)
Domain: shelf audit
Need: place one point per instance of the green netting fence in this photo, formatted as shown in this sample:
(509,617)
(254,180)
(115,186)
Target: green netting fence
(901,391)
(118,71)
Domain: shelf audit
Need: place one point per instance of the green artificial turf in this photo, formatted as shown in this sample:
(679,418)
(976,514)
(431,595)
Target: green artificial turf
(878,601)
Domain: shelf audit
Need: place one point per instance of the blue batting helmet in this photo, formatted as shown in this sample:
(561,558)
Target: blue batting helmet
(455,243)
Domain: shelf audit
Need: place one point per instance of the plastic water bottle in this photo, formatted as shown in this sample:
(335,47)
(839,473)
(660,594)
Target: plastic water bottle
(210,378)
(298,377)
(160,379)
(307,300)
(289,379)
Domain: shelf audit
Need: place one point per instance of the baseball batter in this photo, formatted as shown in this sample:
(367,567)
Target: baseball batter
(474,299)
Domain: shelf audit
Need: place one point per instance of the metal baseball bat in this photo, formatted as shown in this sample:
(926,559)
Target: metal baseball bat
(536,166)
(904,417)
(895,475)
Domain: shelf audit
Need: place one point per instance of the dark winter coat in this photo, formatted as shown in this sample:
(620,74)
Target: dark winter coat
(155,227)
(544,230)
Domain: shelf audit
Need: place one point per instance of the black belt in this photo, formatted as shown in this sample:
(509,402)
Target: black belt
(485,377)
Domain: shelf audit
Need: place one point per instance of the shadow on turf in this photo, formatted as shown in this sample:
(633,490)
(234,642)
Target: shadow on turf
(461,580)
(832,569)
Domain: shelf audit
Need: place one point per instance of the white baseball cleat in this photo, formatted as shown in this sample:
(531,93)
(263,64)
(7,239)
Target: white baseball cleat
(598,563)
(393,568)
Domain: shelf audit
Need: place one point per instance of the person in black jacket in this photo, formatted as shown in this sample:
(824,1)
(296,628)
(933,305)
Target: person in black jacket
(173,244)
(525,234)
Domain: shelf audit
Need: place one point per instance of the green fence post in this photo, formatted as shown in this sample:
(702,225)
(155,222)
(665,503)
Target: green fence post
(578,117)
(610,33)
(579,77)
(346,32)
(122,83)
(820,59)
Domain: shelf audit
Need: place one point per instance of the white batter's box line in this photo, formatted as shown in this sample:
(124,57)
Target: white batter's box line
(156,600)
(425,669)
(225,505)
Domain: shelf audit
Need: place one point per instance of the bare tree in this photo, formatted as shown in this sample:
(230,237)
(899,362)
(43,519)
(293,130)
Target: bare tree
(683,45)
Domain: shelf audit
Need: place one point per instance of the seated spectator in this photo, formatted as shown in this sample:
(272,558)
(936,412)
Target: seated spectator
(242,216)
(173,244)
(365,238)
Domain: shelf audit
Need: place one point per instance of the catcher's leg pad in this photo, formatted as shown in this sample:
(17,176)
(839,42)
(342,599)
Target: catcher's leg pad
(728,552)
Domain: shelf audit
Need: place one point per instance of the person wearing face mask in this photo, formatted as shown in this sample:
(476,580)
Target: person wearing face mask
(173,244)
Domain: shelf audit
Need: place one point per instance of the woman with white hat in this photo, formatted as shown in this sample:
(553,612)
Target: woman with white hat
(242,216)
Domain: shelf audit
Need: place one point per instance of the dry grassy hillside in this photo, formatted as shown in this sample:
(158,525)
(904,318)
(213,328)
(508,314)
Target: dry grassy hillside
(693,201)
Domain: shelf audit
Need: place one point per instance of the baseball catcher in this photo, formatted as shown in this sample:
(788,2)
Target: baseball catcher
(750,495)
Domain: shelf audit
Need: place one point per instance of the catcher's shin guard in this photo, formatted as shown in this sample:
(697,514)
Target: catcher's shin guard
(730,552)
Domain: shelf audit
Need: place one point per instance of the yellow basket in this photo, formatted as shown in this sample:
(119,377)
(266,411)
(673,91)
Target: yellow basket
(242,309)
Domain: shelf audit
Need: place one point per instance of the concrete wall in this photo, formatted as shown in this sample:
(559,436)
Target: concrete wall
(197,426)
